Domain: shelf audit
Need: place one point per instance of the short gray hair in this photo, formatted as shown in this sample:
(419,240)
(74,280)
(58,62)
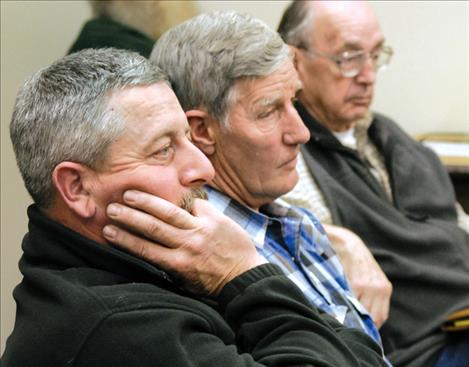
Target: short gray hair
(62,113)
(295,23)
(205,55)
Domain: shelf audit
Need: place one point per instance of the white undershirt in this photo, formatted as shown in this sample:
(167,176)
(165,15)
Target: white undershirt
(347,138)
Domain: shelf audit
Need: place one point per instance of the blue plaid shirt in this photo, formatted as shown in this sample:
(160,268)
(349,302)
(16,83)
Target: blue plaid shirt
(293,239)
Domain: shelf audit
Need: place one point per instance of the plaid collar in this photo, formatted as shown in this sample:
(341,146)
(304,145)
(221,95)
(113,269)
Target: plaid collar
(256,223)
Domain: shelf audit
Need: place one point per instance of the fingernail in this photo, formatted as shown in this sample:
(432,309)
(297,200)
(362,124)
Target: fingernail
(113,210)
(109,232)
(130,196)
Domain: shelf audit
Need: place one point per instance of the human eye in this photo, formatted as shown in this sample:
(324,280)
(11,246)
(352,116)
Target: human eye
(351,57)
(164,153)
(266,120)
(376,54)
(266,113)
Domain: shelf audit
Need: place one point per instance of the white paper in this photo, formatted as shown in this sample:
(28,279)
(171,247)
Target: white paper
(448,149)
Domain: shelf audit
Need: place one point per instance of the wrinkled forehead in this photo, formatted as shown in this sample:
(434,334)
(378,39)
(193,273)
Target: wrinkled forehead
(138,101)
(344,24)
(265,89)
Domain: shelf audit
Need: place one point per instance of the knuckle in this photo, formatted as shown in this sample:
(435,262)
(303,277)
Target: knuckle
(172,214)
(153,230)
(181,265)
(205,232)
(359,284)
(142,251)
(220,223)
(389,287)
(196,245)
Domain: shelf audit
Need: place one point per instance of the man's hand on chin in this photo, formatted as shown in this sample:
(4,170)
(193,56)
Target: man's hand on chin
(205,249)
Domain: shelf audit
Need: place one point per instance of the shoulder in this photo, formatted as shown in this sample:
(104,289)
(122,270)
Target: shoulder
(384,125)
(389,130)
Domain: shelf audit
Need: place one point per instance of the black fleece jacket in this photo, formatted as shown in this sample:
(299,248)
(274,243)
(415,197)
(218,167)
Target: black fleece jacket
(85,304)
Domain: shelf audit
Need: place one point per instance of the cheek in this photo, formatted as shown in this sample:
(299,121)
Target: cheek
(269,156)
(253,153)
(107,189)
(157,181)
(162,183)
(337,94)
(250,158)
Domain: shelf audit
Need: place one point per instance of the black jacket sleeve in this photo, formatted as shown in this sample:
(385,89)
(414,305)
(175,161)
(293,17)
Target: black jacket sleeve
(265,321)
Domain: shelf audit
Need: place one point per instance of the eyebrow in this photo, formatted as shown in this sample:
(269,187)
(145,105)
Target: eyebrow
(357,46)
(267,101)
(167,131)
(273,100)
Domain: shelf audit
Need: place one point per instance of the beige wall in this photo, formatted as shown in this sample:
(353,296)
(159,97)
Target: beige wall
(33,34)
(425,89)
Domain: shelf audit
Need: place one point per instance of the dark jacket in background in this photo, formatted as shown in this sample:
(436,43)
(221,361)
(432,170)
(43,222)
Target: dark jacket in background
(415,239)
(104,32)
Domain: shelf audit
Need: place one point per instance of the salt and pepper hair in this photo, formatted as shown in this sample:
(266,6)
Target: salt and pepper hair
(295,24)
(62,113)
(206,55)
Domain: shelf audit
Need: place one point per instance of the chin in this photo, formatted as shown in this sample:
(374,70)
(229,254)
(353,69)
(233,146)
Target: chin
(356,115)
(361,110)
(289,183)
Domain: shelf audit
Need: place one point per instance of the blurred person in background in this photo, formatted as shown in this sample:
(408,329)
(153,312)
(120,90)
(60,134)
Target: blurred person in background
(132,24)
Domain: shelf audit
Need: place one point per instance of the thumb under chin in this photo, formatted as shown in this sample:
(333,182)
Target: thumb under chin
(202,207)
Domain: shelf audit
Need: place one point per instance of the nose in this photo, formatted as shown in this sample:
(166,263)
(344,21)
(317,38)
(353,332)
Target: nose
(195,168)
(295,130)
(367,74)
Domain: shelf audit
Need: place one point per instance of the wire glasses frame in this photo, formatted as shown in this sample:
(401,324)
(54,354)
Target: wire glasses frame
(351,63)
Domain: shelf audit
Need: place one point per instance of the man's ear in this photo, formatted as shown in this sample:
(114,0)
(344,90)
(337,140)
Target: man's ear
(69,179)
(202,130)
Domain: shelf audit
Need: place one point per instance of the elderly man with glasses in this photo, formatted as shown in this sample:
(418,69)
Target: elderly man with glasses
(359,170)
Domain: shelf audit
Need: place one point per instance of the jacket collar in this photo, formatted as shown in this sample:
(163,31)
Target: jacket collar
(49,243)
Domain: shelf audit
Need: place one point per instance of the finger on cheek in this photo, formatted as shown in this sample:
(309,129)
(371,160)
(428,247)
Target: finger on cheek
(131,196)
(113,210)
(110,232)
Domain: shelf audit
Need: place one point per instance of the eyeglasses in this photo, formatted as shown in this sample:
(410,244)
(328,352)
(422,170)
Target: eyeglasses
(351,63)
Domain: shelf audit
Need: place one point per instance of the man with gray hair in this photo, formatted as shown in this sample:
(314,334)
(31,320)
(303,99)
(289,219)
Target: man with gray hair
(361,171)
(236,81)
(90,133)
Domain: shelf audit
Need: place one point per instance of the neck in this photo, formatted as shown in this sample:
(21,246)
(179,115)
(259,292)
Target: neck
(87,227)
(227,181)
(340,127)
(234,193)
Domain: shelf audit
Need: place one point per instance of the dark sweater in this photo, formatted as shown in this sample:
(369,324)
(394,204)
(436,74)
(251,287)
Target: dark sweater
(85,304)
(415,239)
(104,32)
